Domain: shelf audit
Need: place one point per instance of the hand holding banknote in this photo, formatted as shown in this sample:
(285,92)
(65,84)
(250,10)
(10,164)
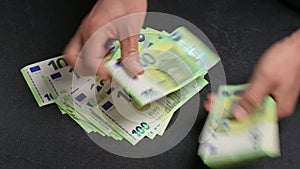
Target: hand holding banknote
(277,74)
(108,20)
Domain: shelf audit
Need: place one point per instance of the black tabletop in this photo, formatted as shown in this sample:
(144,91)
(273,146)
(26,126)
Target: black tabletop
(31,31)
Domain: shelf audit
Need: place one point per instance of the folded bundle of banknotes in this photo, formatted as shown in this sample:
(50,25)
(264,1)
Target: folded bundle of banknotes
(225,142)
(131,108)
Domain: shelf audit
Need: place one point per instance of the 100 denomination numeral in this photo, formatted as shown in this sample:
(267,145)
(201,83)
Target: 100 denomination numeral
(58,64)
(139,130)
(147,59)
(48,96)
(124,94)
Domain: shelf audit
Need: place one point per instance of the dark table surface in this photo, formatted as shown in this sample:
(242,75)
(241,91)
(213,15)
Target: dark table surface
(34,30)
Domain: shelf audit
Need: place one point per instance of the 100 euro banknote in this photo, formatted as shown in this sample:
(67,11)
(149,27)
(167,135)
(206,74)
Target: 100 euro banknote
(225,142)
(169,64)
(133,122)
(32,74)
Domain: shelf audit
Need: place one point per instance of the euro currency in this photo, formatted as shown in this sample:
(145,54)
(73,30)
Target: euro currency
(106,91)
(98,106)
(163,126)
(60,85)
(42,93)
(160,129)
(83,100)
(169,65)
(32,74)
(147,38)
(85,125)
(140,121)
(226,142)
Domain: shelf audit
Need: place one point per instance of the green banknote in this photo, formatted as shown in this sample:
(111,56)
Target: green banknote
(160,129)
(147,38)
(38,77)
(226,142)
(32,74)
(98,106)
(63,85)
(106,91)
(133,122)
(85,125)
(83,98)
(169,64)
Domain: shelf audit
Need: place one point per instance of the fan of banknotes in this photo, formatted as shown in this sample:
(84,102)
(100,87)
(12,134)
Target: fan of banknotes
(131,108)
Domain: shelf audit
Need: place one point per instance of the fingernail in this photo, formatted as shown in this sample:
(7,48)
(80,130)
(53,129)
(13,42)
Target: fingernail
(239,113)
(136,67)
(132,64)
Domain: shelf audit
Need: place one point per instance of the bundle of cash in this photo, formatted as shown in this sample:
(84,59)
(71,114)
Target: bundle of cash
(226,142)
(175,61)
(116,110)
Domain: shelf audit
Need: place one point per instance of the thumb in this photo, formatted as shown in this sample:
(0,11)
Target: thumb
(130,55)
(251,98)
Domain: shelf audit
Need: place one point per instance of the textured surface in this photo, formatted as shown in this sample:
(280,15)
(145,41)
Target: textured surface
(33,30)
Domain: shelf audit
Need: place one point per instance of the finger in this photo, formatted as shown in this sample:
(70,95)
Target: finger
(209,102)
(102,72)
(72,50)
(252,98)
(85,55)
(211,97)
(207,105)
(130,55)
(92,54)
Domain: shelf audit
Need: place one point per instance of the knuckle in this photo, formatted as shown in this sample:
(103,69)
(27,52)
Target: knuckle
(249,98)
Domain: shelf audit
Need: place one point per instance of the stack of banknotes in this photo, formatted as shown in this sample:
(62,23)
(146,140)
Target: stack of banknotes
(225,142)
(128,107)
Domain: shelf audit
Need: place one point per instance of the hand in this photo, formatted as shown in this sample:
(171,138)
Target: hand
(277,74)
(108,20)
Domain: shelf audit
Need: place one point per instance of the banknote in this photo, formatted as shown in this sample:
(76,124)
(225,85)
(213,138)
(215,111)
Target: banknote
(42,92)
(169,65)
(59,84)
(160,129)
(106,91)
(83,98)
(147,38)
(225,142)
(85,125)
(133,122)
(98,106)
(32,74)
